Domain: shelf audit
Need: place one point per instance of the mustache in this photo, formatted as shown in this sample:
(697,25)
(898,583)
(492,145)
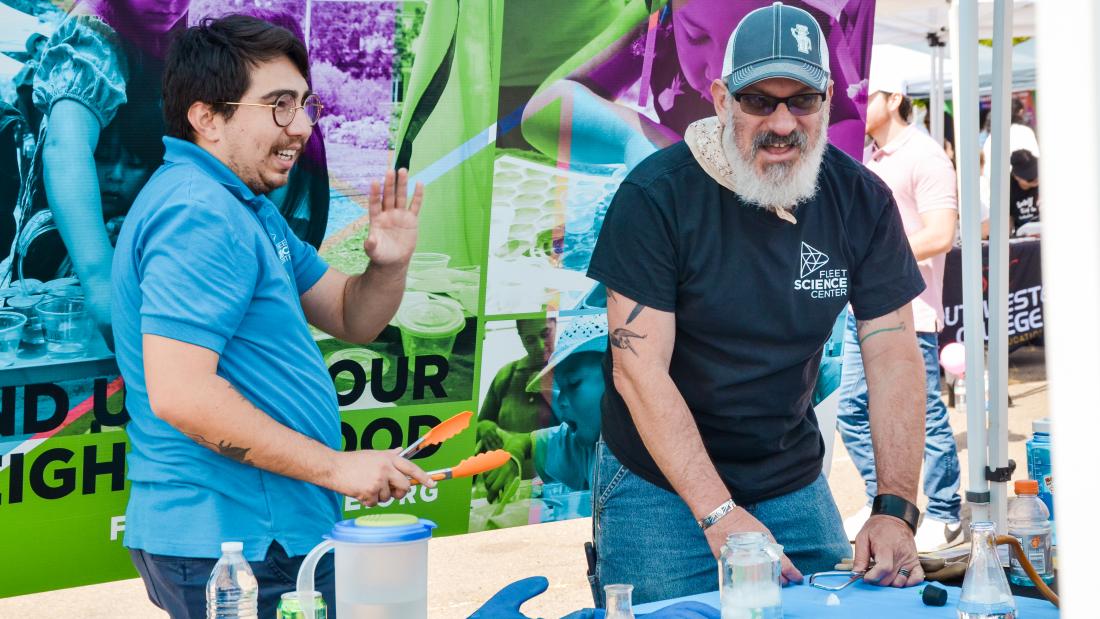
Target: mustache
(797,139)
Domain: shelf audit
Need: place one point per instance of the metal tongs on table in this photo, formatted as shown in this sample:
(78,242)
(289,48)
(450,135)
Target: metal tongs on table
(849,574)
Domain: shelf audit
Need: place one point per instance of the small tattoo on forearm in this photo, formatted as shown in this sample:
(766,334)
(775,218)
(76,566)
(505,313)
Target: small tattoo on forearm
(900,327)
(623,339)
(634,313)
(611,295)
(240,454)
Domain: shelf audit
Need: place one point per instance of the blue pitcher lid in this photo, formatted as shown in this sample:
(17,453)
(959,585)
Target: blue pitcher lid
(381,529)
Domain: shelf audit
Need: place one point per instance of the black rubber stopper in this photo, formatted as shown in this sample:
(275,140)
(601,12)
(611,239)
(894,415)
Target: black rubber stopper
(933,596)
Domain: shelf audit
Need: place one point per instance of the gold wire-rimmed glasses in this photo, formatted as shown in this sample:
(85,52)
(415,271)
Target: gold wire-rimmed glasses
(283,110)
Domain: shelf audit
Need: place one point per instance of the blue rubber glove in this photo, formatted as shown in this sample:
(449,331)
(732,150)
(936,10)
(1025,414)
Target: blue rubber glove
(681,610)
(505,604)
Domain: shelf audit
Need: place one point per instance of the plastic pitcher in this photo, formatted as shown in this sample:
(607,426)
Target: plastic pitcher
(381,567)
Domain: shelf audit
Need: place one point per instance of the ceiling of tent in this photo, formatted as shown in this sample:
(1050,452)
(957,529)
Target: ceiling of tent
(908,22)
(901,34)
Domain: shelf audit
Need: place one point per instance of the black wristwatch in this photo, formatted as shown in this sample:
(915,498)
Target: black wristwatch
(893,505)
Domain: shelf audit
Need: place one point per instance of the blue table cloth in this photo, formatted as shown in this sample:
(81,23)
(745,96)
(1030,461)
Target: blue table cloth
(863,600)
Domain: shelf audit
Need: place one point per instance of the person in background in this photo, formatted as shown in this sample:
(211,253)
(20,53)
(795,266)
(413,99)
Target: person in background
(509,409)
(1020,135)
(235,428)
(1023,189)
(727,259)
(922,180)
(124,161)
(563,451)
(105,54)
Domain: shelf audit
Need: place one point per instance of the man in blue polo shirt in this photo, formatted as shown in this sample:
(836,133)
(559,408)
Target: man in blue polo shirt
(727,259)
(235,432)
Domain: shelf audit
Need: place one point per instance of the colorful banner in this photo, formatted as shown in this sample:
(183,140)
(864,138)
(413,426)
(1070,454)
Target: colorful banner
(521,117)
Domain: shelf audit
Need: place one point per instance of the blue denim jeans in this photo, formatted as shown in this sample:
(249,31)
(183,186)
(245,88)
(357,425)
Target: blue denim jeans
(178,584)
(647,537)
(941,459)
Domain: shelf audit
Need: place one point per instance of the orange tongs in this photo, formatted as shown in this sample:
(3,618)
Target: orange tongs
(438,434)
(467,468)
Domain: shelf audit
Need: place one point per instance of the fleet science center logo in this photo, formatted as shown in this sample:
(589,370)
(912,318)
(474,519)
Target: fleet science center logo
(824,283)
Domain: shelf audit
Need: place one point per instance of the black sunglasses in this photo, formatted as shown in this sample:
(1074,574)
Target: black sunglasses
(802,104)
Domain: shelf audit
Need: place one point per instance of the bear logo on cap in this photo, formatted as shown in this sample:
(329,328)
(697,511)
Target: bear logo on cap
(802,36)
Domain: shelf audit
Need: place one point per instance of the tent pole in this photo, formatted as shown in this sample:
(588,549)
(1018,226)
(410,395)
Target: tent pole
(998,256)
(935,97)
(1070,133)
(964,41)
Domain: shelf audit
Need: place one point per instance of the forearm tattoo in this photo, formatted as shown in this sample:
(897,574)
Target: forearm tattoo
(623,338)
(240,454)
(860,325)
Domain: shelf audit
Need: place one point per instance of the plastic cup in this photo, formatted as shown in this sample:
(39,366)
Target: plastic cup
(427,261)
(466,293)
(32,330)
(11,334)
(67,327)
(429,326)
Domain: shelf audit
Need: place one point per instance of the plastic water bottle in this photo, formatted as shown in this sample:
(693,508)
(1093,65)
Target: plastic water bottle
(1029,522)
(1038,461)
(231,591)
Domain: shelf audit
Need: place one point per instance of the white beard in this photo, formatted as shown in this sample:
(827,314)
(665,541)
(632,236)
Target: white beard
(782,185)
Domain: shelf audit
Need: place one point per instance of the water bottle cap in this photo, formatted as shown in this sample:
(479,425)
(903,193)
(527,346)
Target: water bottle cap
(232,547)
(1026,486)
(1041,425)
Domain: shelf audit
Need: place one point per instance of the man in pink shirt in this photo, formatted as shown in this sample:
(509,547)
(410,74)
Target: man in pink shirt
(922,179)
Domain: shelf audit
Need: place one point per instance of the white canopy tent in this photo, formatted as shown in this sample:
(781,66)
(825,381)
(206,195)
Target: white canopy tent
(919,82)
(927,25)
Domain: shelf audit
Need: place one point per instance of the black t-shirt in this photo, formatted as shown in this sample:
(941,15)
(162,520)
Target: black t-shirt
(1023,204)
(755,299)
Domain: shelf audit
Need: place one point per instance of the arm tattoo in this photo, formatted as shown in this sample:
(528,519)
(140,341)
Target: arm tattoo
(900,327)
(634,313)
(622,339)
(240,454)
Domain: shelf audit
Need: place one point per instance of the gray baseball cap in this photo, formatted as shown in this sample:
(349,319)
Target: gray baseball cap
(777,41)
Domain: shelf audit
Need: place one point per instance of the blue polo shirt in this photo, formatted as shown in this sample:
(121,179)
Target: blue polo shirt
(203,260)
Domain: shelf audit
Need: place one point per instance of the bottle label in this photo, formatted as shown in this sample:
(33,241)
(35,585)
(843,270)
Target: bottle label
(1036,548)
(1048,481)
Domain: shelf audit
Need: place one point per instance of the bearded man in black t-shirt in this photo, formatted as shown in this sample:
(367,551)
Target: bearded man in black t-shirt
(727,259)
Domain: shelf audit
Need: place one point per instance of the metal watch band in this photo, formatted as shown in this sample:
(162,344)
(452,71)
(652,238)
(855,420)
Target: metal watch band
(719,512)
(898,507)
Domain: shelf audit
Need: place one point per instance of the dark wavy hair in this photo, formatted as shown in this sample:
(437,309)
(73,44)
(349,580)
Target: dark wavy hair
(212,62)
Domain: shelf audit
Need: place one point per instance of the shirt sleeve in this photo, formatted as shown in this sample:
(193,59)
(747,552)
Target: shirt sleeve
(886,277)
(83,61)
(197,278)
(308,265)
(636,253)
